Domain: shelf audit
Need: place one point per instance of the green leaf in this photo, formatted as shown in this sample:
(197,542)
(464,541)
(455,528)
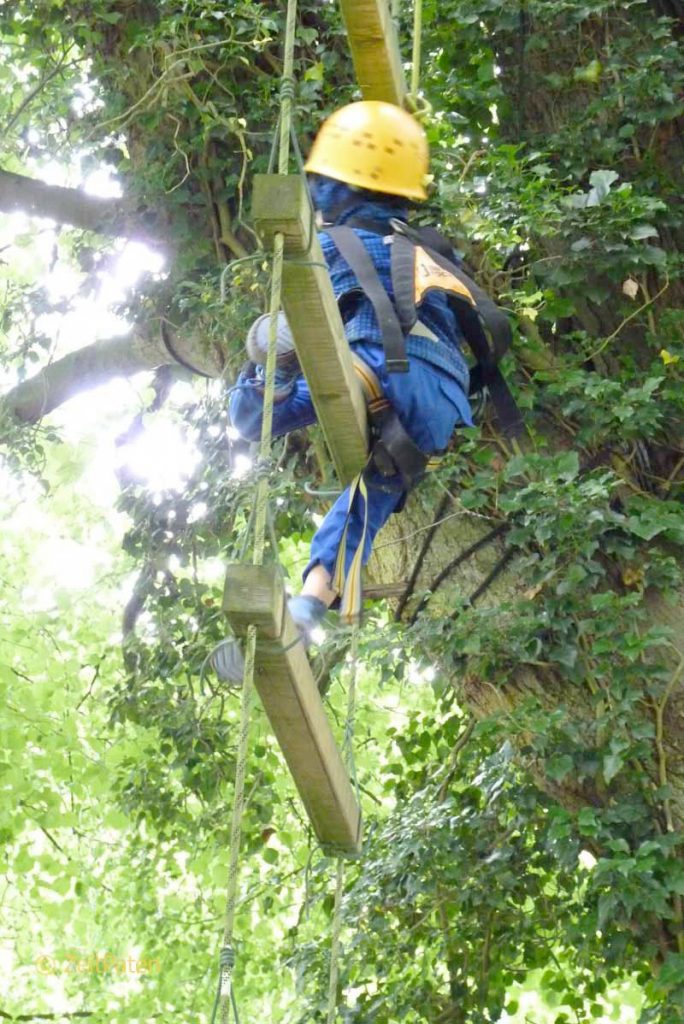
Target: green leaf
(591,73)
(314,73)
(643,231)
(559,766)
(600,182)
(671,974)
(612,763)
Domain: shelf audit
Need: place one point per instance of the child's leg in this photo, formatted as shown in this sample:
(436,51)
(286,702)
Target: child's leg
(327,539)
(430,405)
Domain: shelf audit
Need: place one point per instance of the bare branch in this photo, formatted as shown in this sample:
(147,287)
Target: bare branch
(145,348)
(73,206)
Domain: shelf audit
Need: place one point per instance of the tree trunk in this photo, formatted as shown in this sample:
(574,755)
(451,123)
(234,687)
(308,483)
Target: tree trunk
(398,556)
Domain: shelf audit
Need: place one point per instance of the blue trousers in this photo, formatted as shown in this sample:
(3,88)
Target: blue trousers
(430,404)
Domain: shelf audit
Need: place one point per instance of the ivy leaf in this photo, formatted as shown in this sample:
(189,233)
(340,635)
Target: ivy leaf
(559,766)
(672,972)
(591,73)
(600,182)
(643,231)
(612,763)
(314,73)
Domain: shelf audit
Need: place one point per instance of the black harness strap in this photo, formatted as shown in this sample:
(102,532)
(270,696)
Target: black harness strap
(478,315)
(392,449)
(395,452)
(477,319)
(402,271)
(352,249)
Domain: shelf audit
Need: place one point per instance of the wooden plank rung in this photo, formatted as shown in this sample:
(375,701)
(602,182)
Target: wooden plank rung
(281,206)
(288,692)
(375,52)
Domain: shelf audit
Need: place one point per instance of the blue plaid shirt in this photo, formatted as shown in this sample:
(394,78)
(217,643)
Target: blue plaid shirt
(361,322)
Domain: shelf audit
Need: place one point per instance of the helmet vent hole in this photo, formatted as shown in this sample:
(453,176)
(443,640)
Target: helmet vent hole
(397,142)
(370,145)
(367,135)
(389,149)
(357,142)
(374,176)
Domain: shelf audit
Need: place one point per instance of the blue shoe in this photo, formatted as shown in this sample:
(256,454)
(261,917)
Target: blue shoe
(307,613)
(227,660)
(228,663)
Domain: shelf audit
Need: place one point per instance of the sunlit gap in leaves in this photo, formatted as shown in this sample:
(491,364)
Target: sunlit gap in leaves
(75,328)
(420,674)
(241,466)
(161,457)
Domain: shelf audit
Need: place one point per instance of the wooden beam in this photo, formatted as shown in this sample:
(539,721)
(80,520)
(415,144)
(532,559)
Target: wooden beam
(281,204)
(375,50)
(288,692)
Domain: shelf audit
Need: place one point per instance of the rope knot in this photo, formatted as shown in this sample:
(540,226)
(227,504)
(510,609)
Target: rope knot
(287,89)
(227,958)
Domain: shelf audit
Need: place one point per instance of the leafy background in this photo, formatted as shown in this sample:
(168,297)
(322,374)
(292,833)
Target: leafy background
(520,756)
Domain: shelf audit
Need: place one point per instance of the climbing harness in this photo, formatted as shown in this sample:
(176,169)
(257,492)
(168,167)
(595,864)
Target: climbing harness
(419,264)
(392,452)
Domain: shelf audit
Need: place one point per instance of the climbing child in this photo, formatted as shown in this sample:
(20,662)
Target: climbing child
(367,166)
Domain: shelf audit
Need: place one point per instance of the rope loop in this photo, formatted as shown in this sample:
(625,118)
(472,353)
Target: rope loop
(419,106)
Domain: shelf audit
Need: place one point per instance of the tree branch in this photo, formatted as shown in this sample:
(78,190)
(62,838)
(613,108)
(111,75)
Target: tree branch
(145,348)
(73,206)
(46,1016)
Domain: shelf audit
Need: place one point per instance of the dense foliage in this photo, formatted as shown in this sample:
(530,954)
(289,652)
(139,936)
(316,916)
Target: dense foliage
(519,756)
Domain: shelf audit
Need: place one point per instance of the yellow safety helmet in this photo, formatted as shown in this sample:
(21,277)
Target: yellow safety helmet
(373,145)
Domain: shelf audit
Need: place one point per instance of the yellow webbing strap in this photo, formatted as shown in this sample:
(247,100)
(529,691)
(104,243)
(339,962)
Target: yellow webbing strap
(375,399)
(348,584)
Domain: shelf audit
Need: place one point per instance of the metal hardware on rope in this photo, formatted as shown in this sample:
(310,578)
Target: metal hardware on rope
(226,965)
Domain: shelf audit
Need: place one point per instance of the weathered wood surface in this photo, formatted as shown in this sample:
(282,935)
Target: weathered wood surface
(375,50)
(288,692)
(281,204)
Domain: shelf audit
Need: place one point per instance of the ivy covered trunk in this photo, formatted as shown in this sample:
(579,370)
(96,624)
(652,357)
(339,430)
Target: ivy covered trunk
(577,647)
